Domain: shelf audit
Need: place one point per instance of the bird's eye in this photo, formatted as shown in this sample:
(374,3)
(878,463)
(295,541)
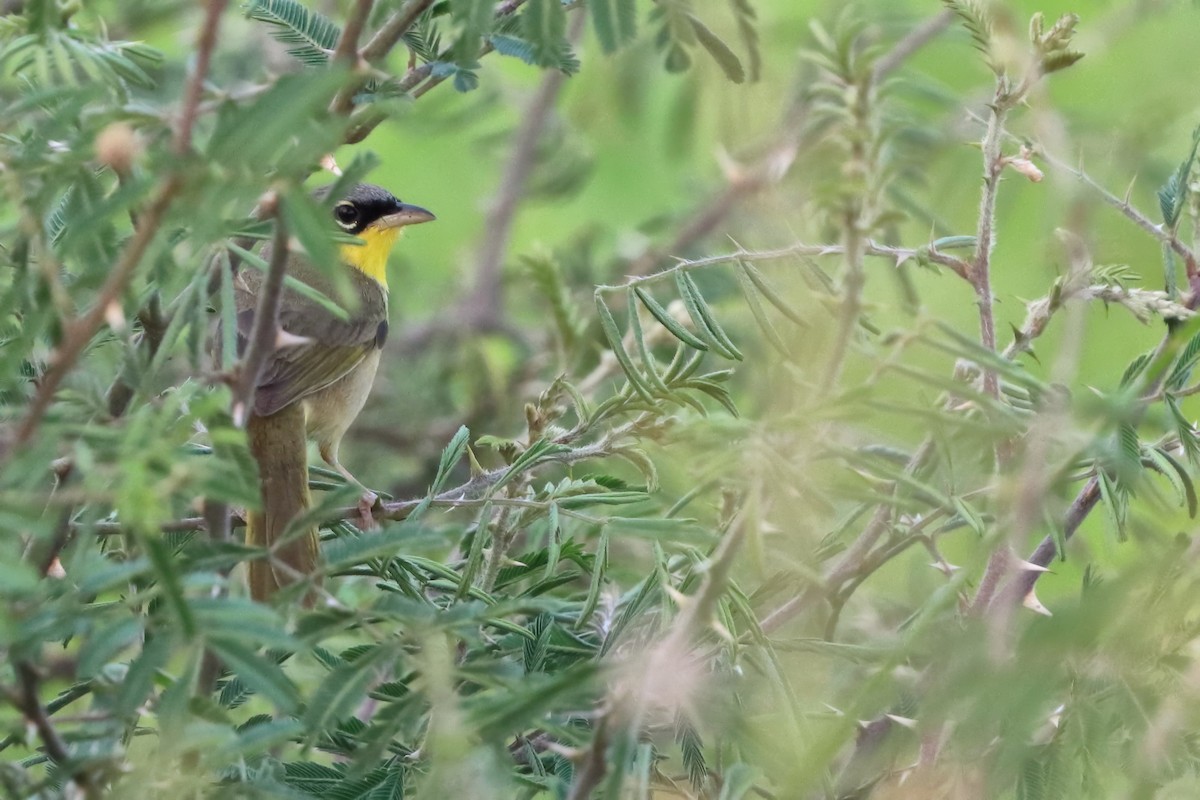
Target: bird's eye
(346,214)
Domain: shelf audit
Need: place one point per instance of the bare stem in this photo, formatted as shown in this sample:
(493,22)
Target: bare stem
(265,333)
(80,332)
(393,30)
(347,44)
(206,42)
(870,248)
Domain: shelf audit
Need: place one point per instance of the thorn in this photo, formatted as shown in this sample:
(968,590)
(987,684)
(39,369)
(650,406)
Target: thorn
(239,414)
(284,339)
(1033,604)
(56,570)
(734,172)
(721,631)
(680,599)
(330,165)
(904,722)
(1029,566)
(945,567)
(114,316)
(1056,716)
(1129,191)
(476,468)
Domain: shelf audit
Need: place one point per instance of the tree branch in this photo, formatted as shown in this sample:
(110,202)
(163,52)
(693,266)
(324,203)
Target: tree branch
(393,30)
(206,42)
(264,336)
(78,333)
(486,300)
(871,248)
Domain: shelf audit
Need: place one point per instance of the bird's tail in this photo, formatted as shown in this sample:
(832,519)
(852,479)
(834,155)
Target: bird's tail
(278,445)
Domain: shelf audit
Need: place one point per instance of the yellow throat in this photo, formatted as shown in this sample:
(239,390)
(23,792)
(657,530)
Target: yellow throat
(371,257)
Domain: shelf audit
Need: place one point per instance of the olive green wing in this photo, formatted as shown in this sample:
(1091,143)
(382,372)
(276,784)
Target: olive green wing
(335,348)
(303,369)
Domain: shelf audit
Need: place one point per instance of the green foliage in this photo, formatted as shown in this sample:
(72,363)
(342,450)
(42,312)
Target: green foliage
(311,35)
(604,565)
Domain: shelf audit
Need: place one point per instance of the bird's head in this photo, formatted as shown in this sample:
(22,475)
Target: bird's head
(376,216)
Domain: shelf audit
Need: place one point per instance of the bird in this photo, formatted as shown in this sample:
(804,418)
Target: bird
(316,383)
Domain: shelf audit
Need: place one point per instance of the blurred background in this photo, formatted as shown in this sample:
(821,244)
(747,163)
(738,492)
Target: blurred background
(635,167)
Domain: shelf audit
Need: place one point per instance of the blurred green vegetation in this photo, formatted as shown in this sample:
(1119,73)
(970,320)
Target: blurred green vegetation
(664,600)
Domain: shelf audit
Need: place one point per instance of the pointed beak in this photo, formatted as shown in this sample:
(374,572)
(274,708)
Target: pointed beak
(405,214)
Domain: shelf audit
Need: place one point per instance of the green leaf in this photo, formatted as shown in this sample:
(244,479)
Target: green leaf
(748,31)
(613,335)
(166,570)
(760,314)
(599,568)
(341,691)
(348,551)
(1115,503)
(647,358)
(667,321)
(258,673)
(736,781)
(702,316)
(770,292)
(730,64)
(544,23)
(313,36)
(615,22)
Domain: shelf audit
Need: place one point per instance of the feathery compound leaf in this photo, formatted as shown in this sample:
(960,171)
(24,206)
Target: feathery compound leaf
(747,22)
(1173,194)
(544,24)
(667,321)
(615,22)
(976,20)
(760,313)
(648,361)
(770,292)
(613,335)
(730,64)
(706,324)
(313,35)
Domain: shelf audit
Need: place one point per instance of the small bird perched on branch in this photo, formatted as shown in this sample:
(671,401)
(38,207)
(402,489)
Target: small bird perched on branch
(316,384)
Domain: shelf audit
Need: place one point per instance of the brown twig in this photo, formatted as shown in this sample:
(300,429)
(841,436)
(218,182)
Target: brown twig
(591,764)
(463,495)
(346,49)
(80,332)
(773,165)
(904,49)
(378,47)
(206,42)
(27,700)
(871,248)
(485,303)
(264,335)
(345,53)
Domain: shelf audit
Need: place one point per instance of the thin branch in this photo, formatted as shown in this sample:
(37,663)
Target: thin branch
(464,495)
(591,764)
(80,332)
(346,53)
(871,248)
(1089,495)
(916,39)
(206,42)
(347,44)
(773,165)
(27,700)
(487,297)
(393,30)
(264,335)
